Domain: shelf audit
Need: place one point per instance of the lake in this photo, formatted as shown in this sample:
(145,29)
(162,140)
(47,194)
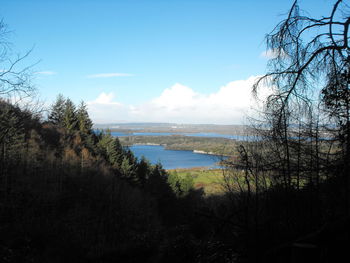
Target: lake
(172,159)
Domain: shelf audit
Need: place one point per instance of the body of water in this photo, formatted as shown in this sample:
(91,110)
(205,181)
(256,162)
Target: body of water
(172,159)
(154,134)
(120,134)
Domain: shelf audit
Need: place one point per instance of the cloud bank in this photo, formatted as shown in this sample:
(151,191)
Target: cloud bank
(230,104)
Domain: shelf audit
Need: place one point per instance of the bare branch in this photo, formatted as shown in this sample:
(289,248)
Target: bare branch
(14,79)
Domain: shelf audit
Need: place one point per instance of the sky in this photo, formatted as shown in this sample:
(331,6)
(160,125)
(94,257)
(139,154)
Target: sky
(182,61)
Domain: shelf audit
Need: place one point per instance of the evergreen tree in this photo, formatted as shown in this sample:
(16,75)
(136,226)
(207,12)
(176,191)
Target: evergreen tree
(126,168)
(84,121)
(12,135)
(109,147)
(69,116)
(57,111)
(143,170)
(119,150)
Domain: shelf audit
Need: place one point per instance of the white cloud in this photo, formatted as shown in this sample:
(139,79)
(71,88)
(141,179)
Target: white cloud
(105,109)
(105,98)
(109,75)
(273,53)
(47,73)
(175,98)
(230,104)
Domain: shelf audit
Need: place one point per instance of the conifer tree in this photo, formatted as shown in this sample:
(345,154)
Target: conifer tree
(57,111)
(143,170)
(84,121)
(108,147)
(126,168)
(69,116)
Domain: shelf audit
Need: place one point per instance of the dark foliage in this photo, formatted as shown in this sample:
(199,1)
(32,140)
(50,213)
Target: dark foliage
(71,194)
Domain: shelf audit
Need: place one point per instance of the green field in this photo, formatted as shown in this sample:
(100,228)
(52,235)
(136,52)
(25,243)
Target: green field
(210,180)
(213,181)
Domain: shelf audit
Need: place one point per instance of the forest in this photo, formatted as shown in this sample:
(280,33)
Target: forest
(70,194)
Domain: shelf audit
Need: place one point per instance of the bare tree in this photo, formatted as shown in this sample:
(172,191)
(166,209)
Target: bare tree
(15,80)
(310,64)
(308,51)
(310,54)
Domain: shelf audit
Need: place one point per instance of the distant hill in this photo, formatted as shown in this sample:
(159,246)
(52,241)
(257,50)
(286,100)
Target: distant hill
(175,127)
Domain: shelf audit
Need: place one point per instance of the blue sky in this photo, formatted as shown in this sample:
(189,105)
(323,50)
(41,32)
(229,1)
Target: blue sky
(130,59)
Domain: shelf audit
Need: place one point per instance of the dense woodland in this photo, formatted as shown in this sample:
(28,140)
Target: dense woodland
(71,195)
(68,194)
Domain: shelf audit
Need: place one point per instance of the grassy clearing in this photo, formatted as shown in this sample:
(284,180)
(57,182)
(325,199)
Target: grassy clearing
(212,180)
(209,180)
